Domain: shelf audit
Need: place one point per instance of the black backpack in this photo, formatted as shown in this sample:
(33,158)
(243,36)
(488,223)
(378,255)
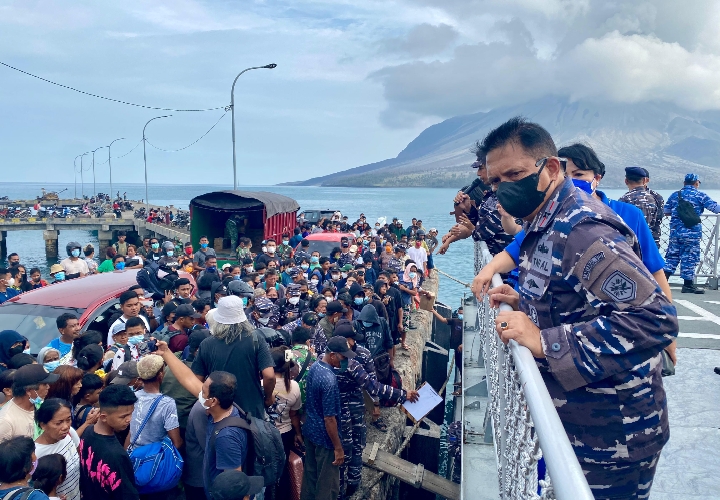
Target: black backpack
(266,457)
(148,280)
(686,212)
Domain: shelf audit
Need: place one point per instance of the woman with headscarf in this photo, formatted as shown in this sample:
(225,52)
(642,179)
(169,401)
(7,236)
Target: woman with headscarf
(49,357)
(409,287)
(11,343)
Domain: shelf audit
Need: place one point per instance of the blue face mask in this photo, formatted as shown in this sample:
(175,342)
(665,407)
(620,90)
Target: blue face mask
(60,276)
(245,301)
(359,301)
(119,266)
(304,267)
(584,185)
(412,275)
(170,253)
(211,269)
(75,253)
(136,339)
(51,365)
(203,245)
(321,315)
(37,400)
(155,246)
(367,324)
(237,277)
(314,260)
(460,316)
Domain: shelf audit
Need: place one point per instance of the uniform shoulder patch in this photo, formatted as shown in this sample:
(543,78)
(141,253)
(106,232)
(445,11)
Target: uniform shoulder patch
(620,287)
(594,260)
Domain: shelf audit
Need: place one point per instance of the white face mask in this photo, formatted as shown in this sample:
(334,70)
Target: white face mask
(344,275)
(263,321)
(294,300)
(202,400)
(314,281)
(271,250)
(11,282)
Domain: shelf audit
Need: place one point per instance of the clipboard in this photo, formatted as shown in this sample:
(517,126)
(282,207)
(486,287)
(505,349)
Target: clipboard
(428,400)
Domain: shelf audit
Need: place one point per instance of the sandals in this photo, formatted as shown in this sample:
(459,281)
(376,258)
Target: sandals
(405,346)
(380,425)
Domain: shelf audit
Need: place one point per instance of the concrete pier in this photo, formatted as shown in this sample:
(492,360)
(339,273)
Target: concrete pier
(409,366)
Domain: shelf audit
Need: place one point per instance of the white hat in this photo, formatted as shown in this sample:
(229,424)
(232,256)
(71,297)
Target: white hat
(229,311)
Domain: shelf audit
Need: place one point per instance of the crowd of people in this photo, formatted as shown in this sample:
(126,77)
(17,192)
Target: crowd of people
(220,376)
(218,382)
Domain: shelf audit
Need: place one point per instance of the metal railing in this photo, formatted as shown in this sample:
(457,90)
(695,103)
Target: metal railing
(709,245)
(525,424)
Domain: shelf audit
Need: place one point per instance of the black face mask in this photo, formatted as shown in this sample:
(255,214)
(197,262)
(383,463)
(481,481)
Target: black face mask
(16,350)
(521,198)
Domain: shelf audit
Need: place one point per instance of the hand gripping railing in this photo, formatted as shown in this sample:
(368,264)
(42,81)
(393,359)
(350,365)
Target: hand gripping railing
(526,425)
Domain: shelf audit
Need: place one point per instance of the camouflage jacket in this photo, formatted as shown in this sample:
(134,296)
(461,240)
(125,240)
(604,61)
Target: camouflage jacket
(489,227)
(650,204)
(360,375)
(700,202)
(603,322)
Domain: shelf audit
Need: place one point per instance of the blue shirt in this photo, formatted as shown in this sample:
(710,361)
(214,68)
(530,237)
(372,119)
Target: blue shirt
(8,294)
(231,446)
(62,347)
(633,218)
(35,495)
(322,399)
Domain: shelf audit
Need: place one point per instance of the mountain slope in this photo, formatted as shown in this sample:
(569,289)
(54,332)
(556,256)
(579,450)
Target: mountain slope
(665,139)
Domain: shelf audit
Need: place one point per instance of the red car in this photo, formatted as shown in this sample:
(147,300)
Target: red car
(94,299)
(325,242)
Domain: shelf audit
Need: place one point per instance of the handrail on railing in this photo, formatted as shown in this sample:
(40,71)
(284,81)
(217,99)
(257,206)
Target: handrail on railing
(568,480)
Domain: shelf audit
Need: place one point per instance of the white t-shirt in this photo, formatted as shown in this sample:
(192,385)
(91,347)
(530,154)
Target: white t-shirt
(121,321)
(284,402)
(14,421)
(419,256)
(67,447)
(74,266)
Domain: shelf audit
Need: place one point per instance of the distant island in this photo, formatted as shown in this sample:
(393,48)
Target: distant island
(665,139)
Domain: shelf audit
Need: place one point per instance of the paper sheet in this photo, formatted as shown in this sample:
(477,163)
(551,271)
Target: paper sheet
(428,400)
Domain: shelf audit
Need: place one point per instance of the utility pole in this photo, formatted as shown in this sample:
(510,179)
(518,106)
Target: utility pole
(110,166)
(147,199)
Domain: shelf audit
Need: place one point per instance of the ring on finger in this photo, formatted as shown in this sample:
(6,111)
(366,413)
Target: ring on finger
(503,325)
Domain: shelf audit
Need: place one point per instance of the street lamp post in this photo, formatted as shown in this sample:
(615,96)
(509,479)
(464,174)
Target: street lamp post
(75,172)
(93,153)
(147,200)
(109,165)
(82,180)
(232,110)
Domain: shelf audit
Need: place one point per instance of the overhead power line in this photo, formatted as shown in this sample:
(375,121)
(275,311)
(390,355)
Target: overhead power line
(194,142)
(107,98)
(121,156)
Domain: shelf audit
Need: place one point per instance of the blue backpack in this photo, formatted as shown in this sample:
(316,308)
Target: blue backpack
(157,466)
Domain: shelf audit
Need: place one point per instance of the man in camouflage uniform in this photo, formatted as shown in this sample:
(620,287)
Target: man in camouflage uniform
(684,244)
(589,312)
(648,201)
(360,374)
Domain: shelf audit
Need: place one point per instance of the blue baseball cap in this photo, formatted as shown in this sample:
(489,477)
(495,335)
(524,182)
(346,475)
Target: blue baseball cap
(691,178)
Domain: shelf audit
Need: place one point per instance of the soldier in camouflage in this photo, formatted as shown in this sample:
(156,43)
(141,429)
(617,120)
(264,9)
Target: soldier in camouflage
(648,201)
(360,374)
(589,312)
(684,244)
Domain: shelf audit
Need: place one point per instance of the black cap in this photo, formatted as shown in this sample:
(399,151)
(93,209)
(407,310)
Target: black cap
(344,328)
(335,307)
(169,308)
(126,372)
(310,318)
(186,311)
(356,289)
(636,172)
(33,375)
(197,336)
(218,287)
(399,248)
(234,485)
(339,345)
(345,244)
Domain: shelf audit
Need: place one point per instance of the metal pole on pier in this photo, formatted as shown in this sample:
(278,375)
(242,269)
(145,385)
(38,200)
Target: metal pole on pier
(110,166)
(232,111)
(82,180)
(94,189)
(147,200)
(75,173)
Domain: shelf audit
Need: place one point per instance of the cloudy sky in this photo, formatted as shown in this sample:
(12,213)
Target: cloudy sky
(356,79)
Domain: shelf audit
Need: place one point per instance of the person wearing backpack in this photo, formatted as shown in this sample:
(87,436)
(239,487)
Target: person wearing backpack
(684,208)
(153,420)
(17,464)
